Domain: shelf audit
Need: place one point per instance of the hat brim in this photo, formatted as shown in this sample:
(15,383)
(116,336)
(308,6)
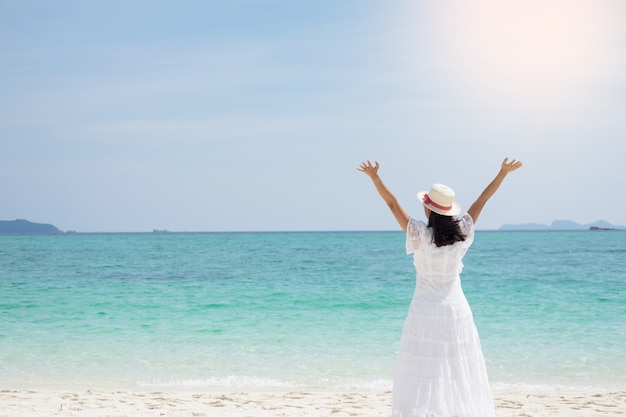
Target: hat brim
(455,210)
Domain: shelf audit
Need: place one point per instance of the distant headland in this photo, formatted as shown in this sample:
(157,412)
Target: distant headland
(562,225)
(25,227)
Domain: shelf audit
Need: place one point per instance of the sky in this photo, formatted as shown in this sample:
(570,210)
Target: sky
(252,115)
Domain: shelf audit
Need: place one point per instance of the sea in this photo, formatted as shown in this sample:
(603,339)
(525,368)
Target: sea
(297,310)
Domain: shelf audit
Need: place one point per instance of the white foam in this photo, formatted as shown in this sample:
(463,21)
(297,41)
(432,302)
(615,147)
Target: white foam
(230,381)
(550,387)
(253,382)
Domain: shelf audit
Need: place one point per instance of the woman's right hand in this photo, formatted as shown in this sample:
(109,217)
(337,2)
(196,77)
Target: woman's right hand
(508,167)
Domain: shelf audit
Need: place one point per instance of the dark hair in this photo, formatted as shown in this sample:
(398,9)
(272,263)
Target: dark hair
(446,230)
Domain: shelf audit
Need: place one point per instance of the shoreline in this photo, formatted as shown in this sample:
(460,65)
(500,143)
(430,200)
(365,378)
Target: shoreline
(509,402)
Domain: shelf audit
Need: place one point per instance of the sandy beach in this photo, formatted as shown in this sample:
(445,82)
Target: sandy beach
(92,403)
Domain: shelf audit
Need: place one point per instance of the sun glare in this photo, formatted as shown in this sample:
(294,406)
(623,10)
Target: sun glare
(526,47)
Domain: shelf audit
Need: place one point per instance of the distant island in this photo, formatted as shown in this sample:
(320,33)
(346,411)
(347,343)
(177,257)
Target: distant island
(25,227)
(563,225)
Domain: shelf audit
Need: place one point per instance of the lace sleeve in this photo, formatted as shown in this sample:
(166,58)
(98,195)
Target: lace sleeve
(412,236)
(466,224)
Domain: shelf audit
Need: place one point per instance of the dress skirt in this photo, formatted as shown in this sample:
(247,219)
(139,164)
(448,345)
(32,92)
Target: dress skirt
(441,369)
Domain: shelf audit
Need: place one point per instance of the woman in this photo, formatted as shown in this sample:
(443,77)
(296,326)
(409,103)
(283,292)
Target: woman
(440,370)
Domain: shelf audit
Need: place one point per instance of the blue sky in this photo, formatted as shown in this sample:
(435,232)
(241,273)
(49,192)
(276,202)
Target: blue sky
(254,114)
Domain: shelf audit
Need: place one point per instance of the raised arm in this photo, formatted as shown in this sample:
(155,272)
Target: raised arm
(493,186)
(397,210)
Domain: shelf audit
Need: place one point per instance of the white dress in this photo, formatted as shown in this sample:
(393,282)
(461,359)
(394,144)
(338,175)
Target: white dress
(441,369)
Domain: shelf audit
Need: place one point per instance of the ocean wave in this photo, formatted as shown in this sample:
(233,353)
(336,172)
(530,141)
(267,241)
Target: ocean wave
(253,382)
(227,381)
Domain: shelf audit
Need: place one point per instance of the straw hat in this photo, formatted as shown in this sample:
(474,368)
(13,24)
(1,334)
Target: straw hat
(440,199)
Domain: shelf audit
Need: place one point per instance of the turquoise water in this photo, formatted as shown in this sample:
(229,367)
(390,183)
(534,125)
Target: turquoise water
(284,310)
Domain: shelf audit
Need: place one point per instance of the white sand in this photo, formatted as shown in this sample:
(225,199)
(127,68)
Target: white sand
(510,403)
